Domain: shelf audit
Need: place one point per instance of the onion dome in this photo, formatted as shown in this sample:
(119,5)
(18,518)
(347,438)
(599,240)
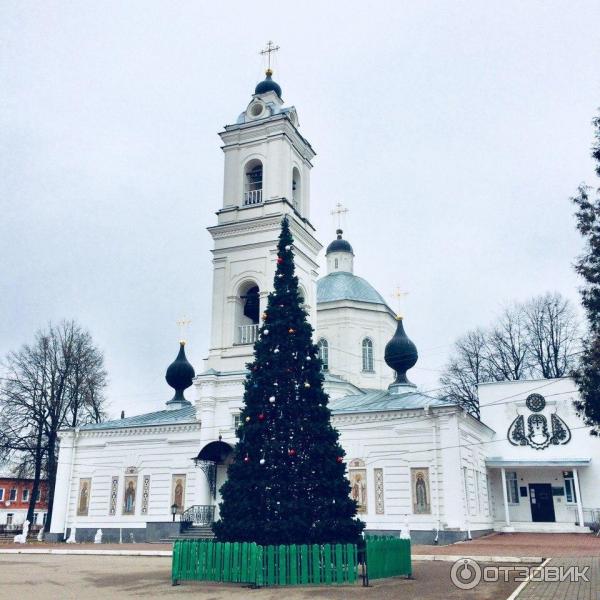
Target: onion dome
(179,376)
(268,85)
(401,355)
(339,245)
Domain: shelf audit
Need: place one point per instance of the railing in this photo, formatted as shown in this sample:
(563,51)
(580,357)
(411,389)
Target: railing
(591,517)
(252,197)
(198,514)
(387,557)
(248,334)
(246,562)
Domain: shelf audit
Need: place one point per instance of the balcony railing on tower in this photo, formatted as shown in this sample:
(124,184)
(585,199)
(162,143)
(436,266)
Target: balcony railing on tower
(252,197)
(247,334)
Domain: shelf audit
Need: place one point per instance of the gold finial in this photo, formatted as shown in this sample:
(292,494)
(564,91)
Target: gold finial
(340,210)
(183,324)
(399,294)
(268,51)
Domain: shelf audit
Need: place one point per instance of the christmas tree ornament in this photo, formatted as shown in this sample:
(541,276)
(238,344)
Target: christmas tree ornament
(266,331)
(261,417)
(292,452)
(291,330)
(340,459)
(308,358)
(276,351)
(288,247)
(247,419)
(279,260)
(306,384)
(246,459)
(262,461)
(272,399)
(264,316)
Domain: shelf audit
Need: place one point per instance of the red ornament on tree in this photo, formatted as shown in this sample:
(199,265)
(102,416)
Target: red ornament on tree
(261,417)
(340,459)
(279,260)
(292,452)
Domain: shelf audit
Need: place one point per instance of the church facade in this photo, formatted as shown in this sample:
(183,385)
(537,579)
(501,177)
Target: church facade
(413,460)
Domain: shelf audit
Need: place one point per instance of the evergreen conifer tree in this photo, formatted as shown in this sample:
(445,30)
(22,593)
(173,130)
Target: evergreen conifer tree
(587,375)
(287,483)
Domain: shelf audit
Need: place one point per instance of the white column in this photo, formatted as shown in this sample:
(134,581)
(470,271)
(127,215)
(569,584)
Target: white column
(578,493)
(505,497)
(63,484)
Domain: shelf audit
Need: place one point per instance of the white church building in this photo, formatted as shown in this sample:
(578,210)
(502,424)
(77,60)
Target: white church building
(411,458)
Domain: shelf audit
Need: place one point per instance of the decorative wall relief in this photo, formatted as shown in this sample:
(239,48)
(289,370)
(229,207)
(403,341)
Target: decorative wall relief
(379,504)
(536,433)
(114,490)
(178,492)
(129,495)
(421,494)
(357,474)
(83,497)
(145,494)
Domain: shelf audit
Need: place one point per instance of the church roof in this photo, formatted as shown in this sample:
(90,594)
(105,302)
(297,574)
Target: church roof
(342,285)
(383,401)
(187,414)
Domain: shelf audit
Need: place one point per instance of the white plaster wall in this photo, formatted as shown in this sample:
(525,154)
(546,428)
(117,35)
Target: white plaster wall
(160,452)
(344,325)
(500,403)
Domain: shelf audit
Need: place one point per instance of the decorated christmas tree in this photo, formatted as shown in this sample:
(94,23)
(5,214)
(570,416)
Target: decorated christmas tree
(287,483)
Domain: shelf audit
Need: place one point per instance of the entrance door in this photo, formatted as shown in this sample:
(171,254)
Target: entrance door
(542,504)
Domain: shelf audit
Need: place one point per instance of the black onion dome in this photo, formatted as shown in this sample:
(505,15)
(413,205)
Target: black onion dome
(339,245)
(268,85)
(401,354)
(179,376)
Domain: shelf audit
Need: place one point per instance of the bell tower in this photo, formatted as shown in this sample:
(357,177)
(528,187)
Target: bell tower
(267,165)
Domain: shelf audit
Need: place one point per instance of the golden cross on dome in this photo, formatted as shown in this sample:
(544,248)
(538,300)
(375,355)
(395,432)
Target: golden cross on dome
(268,51)
(399,294)
(183,324)
(340,210)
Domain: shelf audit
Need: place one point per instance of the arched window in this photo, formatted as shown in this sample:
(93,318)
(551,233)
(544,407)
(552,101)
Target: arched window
(336,263)
(367,355)
(248,313)
(296,189)
(253,182)
(323,347)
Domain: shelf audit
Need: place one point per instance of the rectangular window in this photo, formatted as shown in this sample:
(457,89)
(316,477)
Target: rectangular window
(25,495)
(13,494)
(237,419)
(1,494)
(38,495)
(570,492)
(512,487)
(35,518)
(9,518)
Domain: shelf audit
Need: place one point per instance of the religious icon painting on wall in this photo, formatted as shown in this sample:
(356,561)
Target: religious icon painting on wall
(420,491)
(83,498)
(178,492)
(357,474)
(129,495)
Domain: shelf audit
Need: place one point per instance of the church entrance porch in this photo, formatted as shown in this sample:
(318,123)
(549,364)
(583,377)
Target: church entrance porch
(539,496)
(212,460)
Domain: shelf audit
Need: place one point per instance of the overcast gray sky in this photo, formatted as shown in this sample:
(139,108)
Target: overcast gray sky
(455,133)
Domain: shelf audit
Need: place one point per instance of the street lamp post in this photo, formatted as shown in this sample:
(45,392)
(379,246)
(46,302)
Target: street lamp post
(174,508)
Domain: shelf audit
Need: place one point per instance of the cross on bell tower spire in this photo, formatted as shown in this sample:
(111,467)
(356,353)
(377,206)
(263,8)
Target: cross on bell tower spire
(270,49)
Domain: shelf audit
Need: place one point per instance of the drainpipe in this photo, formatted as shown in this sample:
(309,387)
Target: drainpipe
(463,479)
(434,465)
(75,436)
(578,492)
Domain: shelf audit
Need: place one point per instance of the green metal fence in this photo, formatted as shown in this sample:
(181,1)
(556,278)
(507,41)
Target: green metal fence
(388,557)
(243,562)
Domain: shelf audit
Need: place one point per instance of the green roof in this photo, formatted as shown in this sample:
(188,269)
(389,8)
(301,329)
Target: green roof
(162,417)
(383,400)
(342,285)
